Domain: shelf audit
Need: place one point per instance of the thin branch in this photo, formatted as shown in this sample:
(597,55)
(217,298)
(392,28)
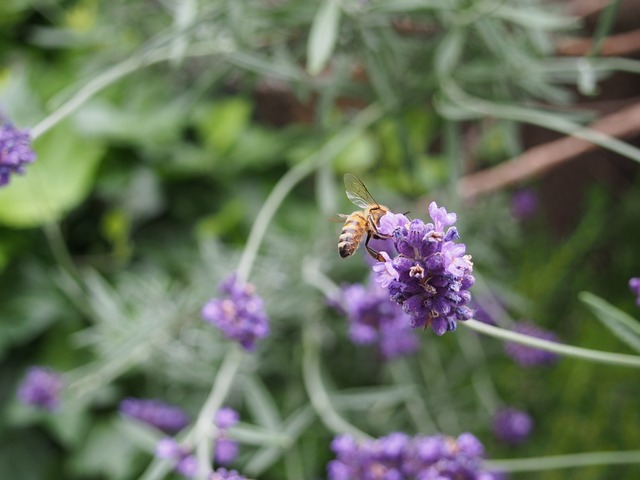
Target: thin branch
(621,44)
(624,123)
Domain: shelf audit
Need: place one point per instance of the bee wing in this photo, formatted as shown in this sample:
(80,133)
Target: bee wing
(338,218)
(357,192)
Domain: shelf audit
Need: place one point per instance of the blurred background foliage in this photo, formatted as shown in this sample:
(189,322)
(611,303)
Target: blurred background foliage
(188,114)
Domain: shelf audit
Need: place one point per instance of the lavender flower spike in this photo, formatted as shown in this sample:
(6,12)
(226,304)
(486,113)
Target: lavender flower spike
(41,388)
(239,315)
(15,151)
(398,456)
(165,417)
(430,276)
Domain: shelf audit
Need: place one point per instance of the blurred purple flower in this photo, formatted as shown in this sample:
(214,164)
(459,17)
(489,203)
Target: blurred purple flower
(187,466)
(165,417)
(398,456)
(226,450)
(41,388)
(224,474)
(183,461)
(15,150)
(529,356)
(240,315)
(430,276)
(375,319)
(226,417)
(634,285)
(512,426)
(524,203)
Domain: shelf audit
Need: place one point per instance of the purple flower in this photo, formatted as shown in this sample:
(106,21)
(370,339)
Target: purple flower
(375,319)
(530,356)
(224,474)
(15,150)
(183,460)
(167,448)
(226,450)
(240,314)
(226,418)
(524,203)
(512,426)
(187,466)
(398,457)
(430,276)
(165,417)
(41,388)
(634,285)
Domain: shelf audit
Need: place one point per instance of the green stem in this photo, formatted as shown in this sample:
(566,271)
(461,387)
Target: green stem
(565,461)
(296,174)
(115,73)
(317,393)
(203,430)
(596,356)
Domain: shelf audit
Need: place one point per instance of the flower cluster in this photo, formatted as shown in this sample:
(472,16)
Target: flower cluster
(512,426)
(529,356)
(431,275)
(226,450)
(398,457)
(165,417)
(240,315)
(375,319)
(41,388)
(634,285)
(184,462)
(15,150)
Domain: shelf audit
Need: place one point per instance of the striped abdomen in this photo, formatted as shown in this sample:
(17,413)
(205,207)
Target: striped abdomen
(354,229)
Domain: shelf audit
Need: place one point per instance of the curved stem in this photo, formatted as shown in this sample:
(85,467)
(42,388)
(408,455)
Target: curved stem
(596,356)
(318,395)
(565,461)
(330,149)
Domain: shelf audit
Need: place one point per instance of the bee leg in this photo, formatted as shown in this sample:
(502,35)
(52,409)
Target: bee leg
(377,255)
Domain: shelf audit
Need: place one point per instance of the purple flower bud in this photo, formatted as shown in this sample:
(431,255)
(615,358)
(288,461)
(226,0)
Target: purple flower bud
(187,466)
(165,417)
(226,418)
(41,388)
(167,448)
(15,150)
(530,356)
(240,316)
(226,451)
(512,426)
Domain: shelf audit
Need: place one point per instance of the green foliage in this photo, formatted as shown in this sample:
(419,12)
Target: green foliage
(164,129)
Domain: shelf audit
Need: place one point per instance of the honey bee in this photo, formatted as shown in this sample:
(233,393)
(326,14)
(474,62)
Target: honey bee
(361,222)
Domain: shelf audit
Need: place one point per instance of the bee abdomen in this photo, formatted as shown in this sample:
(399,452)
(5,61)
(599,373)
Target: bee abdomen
(351,235)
